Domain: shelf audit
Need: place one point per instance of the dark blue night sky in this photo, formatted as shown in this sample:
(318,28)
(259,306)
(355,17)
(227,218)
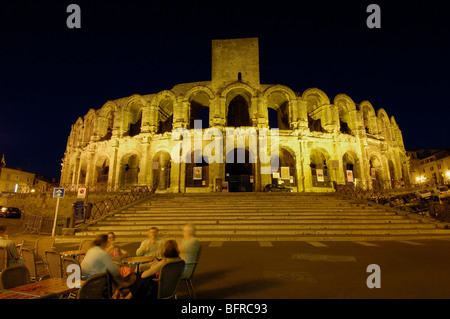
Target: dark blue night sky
(50,74)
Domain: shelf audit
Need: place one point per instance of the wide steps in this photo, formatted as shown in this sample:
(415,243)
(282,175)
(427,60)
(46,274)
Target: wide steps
(267,217)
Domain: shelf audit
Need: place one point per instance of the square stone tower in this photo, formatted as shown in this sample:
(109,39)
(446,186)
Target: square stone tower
(235,59)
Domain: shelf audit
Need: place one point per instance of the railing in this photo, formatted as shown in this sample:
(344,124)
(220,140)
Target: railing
(402,198)
(98,209)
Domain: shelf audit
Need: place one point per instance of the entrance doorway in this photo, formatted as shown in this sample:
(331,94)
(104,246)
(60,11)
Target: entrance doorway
(240,176)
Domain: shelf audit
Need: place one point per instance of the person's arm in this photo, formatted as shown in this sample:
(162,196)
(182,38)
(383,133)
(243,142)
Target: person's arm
(142,249)
(154,269)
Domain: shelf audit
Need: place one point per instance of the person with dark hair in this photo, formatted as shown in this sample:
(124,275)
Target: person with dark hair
(98,261)
(13,257)
(145,287)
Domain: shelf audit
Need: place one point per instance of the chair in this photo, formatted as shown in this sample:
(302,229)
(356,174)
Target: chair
(43,244)
(169,277)
(30,262)
(14,276)
(3,258)
(18,242)
(54,266)
(66,262)
(84,245)
(188,280)
(93,287)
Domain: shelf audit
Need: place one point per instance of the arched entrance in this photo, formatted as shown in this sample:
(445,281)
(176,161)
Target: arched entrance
(287,172)
(240,176)
(350,165)
(375,168)
(129,169)
(320,168)
(161,166)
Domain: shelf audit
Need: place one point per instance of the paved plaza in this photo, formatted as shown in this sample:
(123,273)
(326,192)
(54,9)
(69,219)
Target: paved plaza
(318,270)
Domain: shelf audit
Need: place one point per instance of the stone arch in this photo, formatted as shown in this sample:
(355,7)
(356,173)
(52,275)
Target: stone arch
(320,167)
(368,117)
(279,99)
(385,124)
(351,166)
(133,112)
(197,170)
(317,103)
(163,104)
(129,169)
(90,120)
(287,166)
(161,166)
(199,98)
(239,109)
(101,169)
(346,108)
(107,116)
(376,171)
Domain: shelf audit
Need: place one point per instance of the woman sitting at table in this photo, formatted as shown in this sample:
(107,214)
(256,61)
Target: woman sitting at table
(116,254)
(145,287)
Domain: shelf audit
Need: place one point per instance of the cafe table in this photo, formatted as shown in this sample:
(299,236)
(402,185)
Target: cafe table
(44,287)
(138,261)
(6,294)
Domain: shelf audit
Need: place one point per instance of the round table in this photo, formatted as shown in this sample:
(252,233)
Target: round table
(72,253)
(138,260)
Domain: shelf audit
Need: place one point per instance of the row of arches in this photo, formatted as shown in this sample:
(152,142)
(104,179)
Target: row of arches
(239,176)
(234,105)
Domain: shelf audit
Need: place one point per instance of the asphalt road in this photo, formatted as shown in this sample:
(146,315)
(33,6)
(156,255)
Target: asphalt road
(325,270)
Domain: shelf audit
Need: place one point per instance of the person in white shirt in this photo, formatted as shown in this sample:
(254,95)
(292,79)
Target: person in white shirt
(189,247)
(98,261)
(153,246)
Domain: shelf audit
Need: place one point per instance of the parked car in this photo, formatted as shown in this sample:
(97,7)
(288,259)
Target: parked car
(277,188)
(443,191)
(424,194)
(10,212)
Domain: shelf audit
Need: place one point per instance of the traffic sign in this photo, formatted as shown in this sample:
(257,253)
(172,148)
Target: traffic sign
(58,192)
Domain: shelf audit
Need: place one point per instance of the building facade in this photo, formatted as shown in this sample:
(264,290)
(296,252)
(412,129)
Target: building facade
(131,140)
(14,180)
(430,166)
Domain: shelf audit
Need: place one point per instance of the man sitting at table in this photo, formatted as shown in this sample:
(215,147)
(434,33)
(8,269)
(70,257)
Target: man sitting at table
(13,256)
(153,246)
(98,261)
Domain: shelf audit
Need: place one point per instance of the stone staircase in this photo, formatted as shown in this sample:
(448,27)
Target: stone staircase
(263,217)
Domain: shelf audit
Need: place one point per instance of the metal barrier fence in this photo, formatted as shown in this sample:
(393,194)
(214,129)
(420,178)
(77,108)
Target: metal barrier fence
(405,199)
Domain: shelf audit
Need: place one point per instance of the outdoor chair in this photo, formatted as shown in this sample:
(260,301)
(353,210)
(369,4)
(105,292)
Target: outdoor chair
(93,287)
(14,276)
(53,259)
(169,277)
(3,258)
(188,278)
(30,262)
(66,262)
(84,245)
(43,244)
(18,242)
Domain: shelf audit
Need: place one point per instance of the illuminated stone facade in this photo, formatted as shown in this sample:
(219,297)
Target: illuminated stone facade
(128,141)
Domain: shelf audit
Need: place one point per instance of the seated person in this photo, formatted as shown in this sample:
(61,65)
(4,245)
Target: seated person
(189,247)
(116,254)
(153,246)
(145,287)
(98,261)
(13,257)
